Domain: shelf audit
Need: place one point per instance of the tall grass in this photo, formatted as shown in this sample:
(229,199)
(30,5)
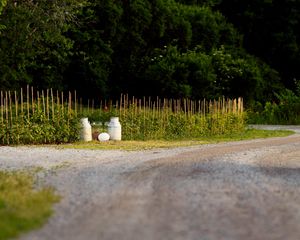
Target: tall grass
(179,118)
(34,117)
(148,118)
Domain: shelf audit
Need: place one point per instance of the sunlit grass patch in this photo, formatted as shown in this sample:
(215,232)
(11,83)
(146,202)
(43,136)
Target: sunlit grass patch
(249,134)
(132,145)
(22,208)
(150,144)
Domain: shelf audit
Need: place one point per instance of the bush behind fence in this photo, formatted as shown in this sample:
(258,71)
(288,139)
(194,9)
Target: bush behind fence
(41,117)
(179,118)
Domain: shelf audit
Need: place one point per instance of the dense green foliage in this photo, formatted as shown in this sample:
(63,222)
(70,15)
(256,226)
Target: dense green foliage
(33,47)
(161,119)
(21,207)
(181,126)
(2,4)
(149,124)
(285,110)
(38,129)
(137,124)
(34,117)
(33,124)
(271,32)
(197,49)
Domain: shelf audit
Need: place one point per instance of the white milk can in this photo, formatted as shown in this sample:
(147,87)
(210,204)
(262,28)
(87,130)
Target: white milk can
(114,129)
(86,130)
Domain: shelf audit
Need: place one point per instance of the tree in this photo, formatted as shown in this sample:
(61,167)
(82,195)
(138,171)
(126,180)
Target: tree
(33,47)
(2,5)
(209,29)
(200,2)
(175,74)
(142,47)
(94,36)
(271,32)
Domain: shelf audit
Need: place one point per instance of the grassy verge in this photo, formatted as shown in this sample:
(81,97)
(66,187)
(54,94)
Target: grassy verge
(150,144)
(21,207)
(253,134)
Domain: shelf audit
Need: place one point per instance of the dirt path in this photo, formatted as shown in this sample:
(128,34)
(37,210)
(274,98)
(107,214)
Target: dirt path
(241,190)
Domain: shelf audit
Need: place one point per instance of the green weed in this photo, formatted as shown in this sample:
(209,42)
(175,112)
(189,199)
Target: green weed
(22,208)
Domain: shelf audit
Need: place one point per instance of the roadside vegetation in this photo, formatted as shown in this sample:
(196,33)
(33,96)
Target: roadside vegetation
(154,144)
(285,109)
(22,207)
(45,118)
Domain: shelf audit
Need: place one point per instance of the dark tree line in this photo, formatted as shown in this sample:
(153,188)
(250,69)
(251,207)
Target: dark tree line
(271,30)
(197,49)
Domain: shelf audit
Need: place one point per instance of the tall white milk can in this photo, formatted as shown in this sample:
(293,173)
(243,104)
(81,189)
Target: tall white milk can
(86,130)
(114,129)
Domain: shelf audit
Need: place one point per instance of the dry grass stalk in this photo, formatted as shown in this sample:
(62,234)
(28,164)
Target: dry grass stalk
(62,104)
(2,107)
(10,108)
(52,104)
(43,102)
(16,103)
(47,104)
(22,101)
(28,101)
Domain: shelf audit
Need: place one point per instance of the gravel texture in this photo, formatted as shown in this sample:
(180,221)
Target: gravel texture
(239,190)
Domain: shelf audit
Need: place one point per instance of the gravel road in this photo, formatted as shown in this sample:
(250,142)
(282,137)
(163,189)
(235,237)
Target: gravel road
(247,190)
